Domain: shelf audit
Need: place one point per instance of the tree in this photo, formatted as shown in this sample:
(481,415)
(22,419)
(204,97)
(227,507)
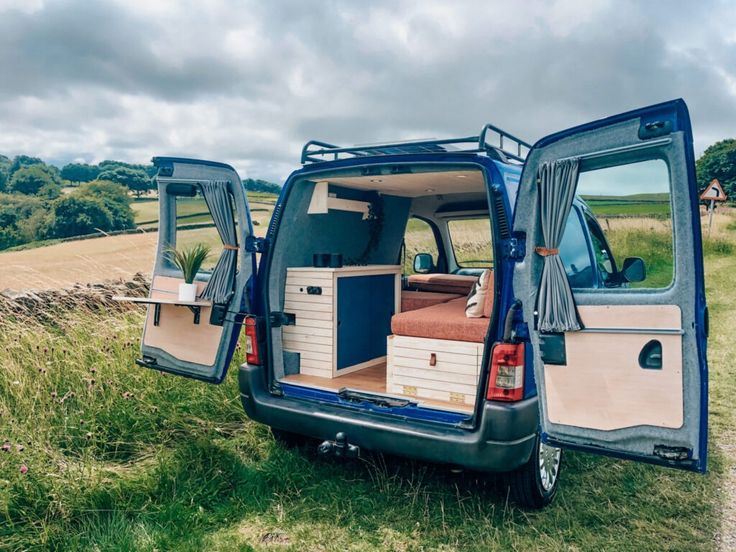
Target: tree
(33,180)
(79,172)
(22,219)
(20,161)
(136,180)
(114,197)
(75,215)
(719,161)
(5,164)
(261,186)
(108,164)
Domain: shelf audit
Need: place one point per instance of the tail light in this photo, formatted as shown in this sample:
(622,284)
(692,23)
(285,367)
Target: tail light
(506,382)
(252,352)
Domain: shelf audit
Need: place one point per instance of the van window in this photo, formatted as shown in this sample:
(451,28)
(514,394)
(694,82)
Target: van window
(575,254)
(471,242)
(194,225)
(632,206)
(418,238)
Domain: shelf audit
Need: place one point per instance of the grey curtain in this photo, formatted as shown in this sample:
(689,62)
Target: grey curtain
(220,288)
(557,181)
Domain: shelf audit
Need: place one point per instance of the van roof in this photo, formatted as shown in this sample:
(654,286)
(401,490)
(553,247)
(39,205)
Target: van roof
(493,141)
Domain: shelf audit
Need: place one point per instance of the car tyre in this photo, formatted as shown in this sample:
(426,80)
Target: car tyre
(534,484)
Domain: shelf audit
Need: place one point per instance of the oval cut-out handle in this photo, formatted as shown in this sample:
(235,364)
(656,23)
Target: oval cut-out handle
(650,357)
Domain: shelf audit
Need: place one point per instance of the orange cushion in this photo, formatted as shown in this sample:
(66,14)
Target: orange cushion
(443,283)
(413,300)
(442,321)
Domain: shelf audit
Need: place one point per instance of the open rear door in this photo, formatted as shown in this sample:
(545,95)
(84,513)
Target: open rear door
(619,345)
(197,338)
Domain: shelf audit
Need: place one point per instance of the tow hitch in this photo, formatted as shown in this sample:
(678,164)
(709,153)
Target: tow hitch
(340,447)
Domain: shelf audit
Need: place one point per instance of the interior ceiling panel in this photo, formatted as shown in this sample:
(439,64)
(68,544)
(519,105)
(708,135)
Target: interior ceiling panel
(416,184)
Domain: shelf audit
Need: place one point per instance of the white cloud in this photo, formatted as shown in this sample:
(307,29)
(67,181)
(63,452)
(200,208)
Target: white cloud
(250,82)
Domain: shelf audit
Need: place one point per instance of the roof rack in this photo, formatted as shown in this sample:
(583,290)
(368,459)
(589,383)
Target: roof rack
(315,151)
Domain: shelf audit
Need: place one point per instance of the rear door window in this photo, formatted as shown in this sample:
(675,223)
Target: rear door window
(194,225)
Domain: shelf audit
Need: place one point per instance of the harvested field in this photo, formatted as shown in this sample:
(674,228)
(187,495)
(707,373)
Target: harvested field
(86,261)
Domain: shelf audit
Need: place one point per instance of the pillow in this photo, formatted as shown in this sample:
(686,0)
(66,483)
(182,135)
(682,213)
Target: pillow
(475,306)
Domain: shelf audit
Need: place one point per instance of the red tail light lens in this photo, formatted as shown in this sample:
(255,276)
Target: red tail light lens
(252,352)
(506,381)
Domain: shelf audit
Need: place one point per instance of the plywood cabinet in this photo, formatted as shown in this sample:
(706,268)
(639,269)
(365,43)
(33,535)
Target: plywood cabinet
(342,316)
(436,369)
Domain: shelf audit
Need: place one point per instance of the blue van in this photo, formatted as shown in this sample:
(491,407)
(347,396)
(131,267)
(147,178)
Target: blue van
(458,300)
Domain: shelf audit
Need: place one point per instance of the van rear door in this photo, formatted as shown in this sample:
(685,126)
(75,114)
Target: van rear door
(620,366)
(197,338)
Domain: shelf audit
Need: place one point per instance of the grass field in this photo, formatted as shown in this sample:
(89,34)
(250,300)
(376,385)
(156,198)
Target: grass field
(122,458)
(190,210)
(637,205)
(98,259)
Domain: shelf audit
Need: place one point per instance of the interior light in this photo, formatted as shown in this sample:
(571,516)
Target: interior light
(376,180)
(461,176)
(430,190)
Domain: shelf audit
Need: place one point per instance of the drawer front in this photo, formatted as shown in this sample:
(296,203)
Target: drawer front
(437,345)
(434,369)
(467,399)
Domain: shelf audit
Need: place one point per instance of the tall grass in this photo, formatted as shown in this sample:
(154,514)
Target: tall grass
(122,458)
(99,454)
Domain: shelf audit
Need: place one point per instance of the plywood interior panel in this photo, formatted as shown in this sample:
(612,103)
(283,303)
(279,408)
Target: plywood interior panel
(602,385)
(176,333)
(417,184)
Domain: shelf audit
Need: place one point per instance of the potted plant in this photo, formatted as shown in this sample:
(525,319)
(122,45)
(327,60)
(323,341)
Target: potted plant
(189,260)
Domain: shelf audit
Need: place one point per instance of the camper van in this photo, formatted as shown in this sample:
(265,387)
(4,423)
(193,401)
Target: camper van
(470,301)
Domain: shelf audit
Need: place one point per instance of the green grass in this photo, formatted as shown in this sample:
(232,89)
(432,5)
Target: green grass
(655,205)
(139,461)
(609,208)
(191,209)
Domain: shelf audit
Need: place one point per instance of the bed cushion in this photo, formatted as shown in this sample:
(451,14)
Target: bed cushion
(413,300)
(443,283)
(442,321)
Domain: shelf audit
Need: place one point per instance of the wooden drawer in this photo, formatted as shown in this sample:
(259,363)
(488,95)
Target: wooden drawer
(434,369)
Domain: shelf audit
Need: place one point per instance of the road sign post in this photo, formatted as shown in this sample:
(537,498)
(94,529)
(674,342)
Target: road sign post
(712,193)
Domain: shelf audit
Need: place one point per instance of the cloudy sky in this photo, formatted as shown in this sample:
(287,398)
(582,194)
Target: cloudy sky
(249,82)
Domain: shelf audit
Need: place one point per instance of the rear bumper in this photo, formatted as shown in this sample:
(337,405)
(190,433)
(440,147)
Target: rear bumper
(503,440)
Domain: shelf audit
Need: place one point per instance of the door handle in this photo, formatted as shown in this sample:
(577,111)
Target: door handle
(650,357)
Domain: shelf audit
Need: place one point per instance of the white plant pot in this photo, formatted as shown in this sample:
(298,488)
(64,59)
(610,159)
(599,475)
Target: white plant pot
(188,292)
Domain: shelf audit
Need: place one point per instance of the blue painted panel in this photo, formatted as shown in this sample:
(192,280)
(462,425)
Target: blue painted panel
(411,411)
(365,305)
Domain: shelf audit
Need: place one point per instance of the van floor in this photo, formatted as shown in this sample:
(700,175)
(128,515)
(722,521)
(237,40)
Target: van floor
(372,380)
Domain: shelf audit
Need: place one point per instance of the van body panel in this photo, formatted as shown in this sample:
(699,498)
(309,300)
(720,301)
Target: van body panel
(503,441)
(615,403)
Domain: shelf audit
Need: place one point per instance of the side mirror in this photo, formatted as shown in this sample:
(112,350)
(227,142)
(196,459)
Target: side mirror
(423,263)
(634,270)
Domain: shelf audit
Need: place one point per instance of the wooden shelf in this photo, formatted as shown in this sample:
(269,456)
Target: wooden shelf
(194,306)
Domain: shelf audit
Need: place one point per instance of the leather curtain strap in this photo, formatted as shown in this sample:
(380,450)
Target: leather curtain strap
(546,252)
(230,247)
